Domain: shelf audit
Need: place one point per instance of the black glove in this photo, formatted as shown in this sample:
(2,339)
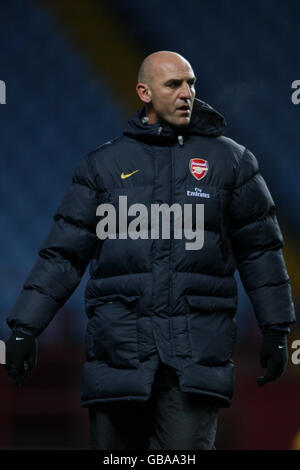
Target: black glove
(21,356)
(273,355)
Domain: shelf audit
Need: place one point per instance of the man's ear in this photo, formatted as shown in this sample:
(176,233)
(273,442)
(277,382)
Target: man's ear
(144,92)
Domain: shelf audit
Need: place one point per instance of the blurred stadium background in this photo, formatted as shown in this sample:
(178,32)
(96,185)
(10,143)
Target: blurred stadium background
(70,69)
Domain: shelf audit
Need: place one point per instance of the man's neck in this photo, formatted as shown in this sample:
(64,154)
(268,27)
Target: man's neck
(151,115)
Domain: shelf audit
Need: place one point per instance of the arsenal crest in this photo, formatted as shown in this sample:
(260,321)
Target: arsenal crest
(198,168)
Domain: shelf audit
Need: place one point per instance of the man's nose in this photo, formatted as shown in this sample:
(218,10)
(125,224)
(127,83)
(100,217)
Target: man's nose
(185,91)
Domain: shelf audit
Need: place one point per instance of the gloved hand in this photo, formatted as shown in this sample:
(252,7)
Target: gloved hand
(273,355)
(21,356)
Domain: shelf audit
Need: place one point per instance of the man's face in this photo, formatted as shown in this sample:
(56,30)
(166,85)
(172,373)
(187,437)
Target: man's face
(173,93)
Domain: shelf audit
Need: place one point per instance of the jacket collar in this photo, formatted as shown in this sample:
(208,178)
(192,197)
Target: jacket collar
(205,120)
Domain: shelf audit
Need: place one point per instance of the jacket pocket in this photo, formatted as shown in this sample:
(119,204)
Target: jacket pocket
(112,330)
(212,328)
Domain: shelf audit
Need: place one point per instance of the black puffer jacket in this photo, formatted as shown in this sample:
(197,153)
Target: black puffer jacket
(151,298)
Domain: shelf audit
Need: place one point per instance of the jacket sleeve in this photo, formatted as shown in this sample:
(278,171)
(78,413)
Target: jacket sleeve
(257,242)
(63,256)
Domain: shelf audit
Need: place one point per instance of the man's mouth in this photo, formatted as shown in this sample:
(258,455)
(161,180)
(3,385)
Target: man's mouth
(184,110)
(184,107)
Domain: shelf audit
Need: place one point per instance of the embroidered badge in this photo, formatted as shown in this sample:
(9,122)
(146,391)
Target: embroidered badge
(198,168)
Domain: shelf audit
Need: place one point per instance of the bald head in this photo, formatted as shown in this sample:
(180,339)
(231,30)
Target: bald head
(166,87)
(157,61)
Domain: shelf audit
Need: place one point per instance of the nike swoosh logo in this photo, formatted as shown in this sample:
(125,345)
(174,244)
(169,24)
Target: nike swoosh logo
(280,347)
(19,339)
(123,176)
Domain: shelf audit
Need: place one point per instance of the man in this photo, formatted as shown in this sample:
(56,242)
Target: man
(161,329)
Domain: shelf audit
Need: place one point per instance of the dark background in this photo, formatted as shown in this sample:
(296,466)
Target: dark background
(70,69)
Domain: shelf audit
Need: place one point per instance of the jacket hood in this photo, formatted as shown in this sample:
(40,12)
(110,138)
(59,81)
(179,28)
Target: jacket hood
(205,120)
